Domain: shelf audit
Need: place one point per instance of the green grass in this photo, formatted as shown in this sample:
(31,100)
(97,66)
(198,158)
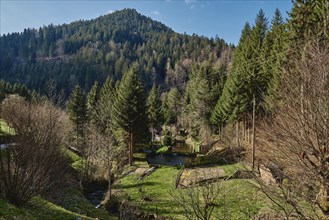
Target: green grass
(162,149)
(5,129)
(231,168)
(73,199)
(242,200)
(8,211)
(77,161)
(38,208)
(157,187)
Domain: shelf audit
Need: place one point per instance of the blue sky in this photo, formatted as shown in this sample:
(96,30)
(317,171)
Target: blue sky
(208,18)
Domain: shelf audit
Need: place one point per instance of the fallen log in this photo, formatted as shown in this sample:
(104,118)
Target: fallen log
(147,172)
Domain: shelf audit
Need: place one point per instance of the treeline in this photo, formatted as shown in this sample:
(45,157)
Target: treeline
(84,51)
(19,89)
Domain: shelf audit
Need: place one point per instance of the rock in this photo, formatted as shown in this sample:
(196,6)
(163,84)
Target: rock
(266,176)
(140,170)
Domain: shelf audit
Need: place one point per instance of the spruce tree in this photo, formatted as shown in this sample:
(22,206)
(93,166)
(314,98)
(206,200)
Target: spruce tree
(105,103)
(308,22)
(78,113)
(199,95)
(154,110)
(129,109)
(172,107)
(272,57)
(92,101)
(232,101)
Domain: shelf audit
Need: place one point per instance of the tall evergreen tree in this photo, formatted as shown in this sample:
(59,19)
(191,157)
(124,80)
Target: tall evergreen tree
(105,103)
(172,107)
(308,22)
(255,81)
(232,101)
(154,110)
(199,95)
(129,109)
(77,109)
(272,57)
(92,101)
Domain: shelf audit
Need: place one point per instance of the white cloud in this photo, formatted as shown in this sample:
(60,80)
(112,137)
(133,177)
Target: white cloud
(155,12)
(109,11)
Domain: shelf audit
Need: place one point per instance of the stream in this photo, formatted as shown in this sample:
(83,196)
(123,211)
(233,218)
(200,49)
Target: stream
(95,191)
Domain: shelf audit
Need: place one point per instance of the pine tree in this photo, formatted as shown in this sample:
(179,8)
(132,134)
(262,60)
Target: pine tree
(105,103)
(229,106)
(272,56)
(92,101)
(255,81)
(308,22)
(172,104)
(199,95)
(154,109)
(77,109)
(129,109)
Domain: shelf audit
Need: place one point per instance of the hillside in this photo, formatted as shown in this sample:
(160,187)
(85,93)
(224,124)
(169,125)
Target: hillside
(84,51)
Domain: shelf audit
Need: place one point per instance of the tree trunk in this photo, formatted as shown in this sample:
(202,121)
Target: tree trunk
(237,134)
(253,131)
(109,188)
(248,131)
(152,140)
(131,148)
(244,128)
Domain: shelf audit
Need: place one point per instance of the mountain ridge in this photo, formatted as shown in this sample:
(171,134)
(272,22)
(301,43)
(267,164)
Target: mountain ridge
(87,50)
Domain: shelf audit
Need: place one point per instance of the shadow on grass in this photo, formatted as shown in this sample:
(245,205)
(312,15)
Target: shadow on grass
(169,211)
(122,186)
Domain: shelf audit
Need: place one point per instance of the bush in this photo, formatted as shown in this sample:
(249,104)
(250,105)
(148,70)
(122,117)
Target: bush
(167,140)
(35,161)
(113,205)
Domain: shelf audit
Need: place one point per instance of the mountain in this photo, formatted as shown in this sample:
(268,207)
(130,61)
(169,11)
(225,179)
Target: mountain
(84,51)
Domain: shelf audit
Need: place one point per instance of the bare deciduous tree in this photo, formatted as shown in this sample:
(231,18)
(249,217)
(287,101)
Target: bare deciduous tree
(200,202)
(34,161)
(102,151)
(297,137)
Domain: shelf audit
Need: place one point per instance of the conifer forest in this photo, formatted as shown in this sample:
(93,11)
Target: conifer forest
(121,117)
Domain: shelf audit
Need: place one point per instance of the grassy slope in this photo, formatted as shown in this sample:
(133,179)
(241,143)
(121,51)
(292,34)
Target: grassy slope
(37,209)
(241,202)
(157,187)
(72,199)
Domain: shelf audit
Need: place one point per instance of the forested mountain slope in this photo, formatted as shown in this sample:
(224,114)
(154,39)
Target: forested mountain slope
(84,51)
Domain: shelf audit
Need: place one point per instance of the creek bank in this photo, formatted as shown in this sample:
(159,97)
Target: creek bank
(95,191)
